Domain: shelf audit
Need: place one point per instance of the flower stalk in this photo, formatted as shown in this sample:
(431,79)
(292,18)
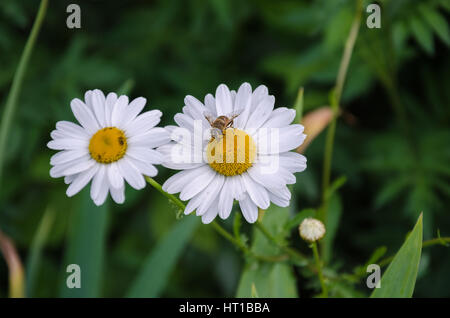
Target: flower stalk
(217,227)
(319,269)
(16,86)
(335,102)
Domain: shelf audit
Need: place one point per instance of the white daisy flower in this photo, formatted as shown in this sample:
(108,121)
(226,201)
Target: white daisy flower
(243,155)
(114,143)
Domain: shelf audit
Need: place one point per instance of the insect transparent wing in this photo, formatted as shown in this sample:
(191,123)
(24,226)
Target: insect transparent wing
(234,114)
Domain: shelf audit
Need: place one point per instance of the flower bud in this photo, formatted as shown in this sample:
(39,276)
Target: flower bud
(311,230)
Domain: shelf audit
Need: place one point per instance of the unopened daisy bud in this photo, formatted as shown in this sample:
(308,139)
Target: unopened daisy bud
(311,230)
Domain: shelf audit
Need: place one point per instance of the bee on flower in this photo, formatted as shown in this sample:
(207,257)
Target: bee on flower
(245,151)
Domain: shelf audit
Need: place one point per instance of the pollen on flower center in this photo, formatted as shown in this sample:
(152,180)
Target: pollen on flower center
(108,145)
(232,153)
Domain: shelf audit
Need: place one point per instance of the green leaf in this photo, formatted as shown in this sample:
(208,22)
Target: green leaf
(37,245)
(154,274)
(376,255)
(400,277)
(333,218)
(86,247)
(422,34)
(299,217)
(437,22)
(269,279)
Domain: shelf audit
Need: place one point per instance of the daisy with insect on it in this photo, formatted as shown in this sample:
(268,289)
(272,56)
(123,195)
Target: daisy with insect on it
(234,146)
(111,144)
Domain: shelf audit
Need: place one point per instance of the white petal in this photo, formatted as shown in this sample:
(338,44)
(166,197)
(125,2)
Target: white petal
(98,105)
(242,105)
(66,156)
(174,159)
(131,174)
(278,201)
(210,193)
(67,144)
(145,168)
(226,199)
(291,137)
(293,161)
(84,116)
(280,117)
(119,111)
(210,215)
(145,155)
(266,179)
(133,109)
(70,129)
(257,192)
(69,179)
(104,189)
(259,94)
(80,166)
(98,182)
(143,123)
(277,140)
(118,195)
(114,176)
(260,114)
(282,192)
(154,138)
(58,134)
(196,109)
(184,121)
(110,101)
(88,100)
(272,170)
(249,209)
(81,180)
(237,186)
(197,184)
(60,169)
(210,104)
(181,179)
(224,104)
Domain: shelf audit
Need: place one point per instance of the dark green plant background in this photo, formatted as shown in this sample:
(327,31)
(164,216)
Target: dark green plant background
(392,139)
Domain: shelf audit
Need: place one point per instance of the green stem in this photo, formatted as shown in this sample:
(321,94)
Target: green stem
(171,197)
(293,253)
(299,106)
(11,102)
(319,269)
(435,241)
(335,101)
(219,229)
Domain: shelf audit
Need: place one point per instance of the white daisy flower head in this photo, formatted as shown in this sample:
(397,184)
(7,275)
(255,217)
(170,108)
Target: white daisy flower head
(234,146)
(111,144)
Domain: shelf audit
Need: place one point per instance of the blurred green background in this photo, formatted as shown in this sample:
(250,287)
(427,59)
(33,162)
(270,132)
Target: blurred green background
(392,140)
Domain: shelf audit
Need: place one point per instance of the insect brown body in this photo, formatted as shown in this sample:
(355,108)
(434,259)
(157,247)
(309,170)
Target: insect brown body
(221,122)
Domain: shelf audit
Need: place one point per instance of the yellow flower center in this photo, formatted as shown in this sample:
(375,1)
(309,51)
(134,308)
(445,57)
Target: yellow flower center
(232,153)
(108,145)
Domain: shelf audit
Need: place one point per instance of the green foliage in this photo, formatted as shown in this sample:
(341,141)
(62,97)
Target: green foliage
(268,279)
(391,146)
(162,259)
(400,277)
(86,247)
